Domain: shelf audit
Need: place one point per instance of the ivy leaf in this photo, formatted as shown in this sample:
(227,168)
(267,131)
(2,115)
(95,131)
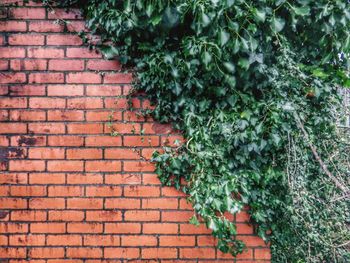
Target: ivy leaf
(229,67)
(277,24)
(224,37)
(206,58)
(302,11)
(194,220)
(260,15)
(171,17)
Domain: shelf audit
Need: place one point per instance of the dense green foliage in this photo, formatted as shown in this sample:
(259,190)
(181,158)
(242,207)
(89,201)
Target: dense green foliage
(253,86)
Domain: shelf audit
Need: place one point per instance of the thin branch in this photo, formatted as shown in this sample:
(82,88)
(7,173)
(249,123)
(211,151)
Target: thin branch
(317,156)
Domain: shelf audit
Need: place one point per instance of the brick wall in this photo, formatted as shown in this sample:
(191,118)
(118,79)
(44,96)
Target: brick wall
(69,191)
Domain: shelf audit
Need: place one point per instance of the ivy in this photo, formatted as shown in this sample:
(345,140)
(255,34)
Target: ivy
(254,87)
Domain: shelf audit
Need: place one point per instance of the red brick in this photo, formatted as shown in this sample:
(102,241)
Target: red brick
(65,115)
(65,166)
(103,191)
(65,141)
(117,78)
(103,166)
(116,103)
(85,203)
(64,240)
(176,216)
(84,252)
(122,153)
(46,78)
(35,64)
(172,192)
(26,165)
(122,128)
(46,103)
(122,203)
(128,253)
(84,228)
(28,215)
(27,90)
(28,13)
(208,240)
(46,203)
(82,53)
(13,26)
(64,40)
(162,203)
(128,179)
(84,103)
(43,26)
(84,178)
(103,141)
(76,26)
(46,153)
(27,240)
(13,203)
(141,141)
(101,240)
(13,252)
(103,65)
(66,65)
(262,254)
(13,228)
(160,228)
(192,229)
(84,128)
(14,178)
(65,191)
(28,140)
(47,227)
(252,241)
(3,240)
(12,52)
(45,53)
(135,215)
(84,153)
(177,241)
(46,128)
(12,77)
(138,166)
(4,116)
(140,241)
(103,90)
(4,65)
(105,115)
(244,229)
(105,216)
(28,190)
(46,252)
(123,228)
(84,77)
(141,191)
(9,103)
(60,13)
(159,253)
(45,178)
(67,216)
(26,40)
(197,253)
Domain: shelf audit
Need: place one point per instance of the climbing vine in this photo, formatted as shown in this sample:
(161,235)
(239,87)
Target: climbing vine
(254,87)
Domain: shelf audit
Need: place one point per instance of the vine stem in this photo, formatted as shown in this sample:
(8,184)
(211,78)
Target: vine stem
(317,156)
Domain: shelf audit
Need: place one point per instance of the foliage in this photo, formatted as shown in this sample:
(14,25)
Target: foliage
(235,76)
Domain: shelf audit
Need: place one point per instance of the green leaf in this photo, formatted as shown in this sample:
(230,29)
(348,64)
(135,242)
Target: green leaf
(277,24)
(259,15)
(302,11)
(224,37)
(194,220)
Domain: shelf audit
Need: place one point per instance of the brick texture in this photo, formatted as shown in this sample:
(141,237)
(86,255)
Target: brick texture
(70,192)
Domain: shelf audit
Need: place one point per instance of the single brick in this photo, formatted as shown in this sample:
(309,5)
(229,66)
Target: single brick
(45,52)
(105,216)
(46,153)
(64,40)
(26,165)
(27,90)
(65,191)
(12,77)
(135,215)
(28,13)
(117,78)
(26,40)
(65,166)
(103,166)
(13,26)
(84,77)
(158,253)
(82,53)
(46,103)
(46,78)
(84,153)
(64,240)
(12,52)
(123,228)
(46,252)
(66,65)
(65,115)
(141,241)
(44,26)
(85,203)
(103,65)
